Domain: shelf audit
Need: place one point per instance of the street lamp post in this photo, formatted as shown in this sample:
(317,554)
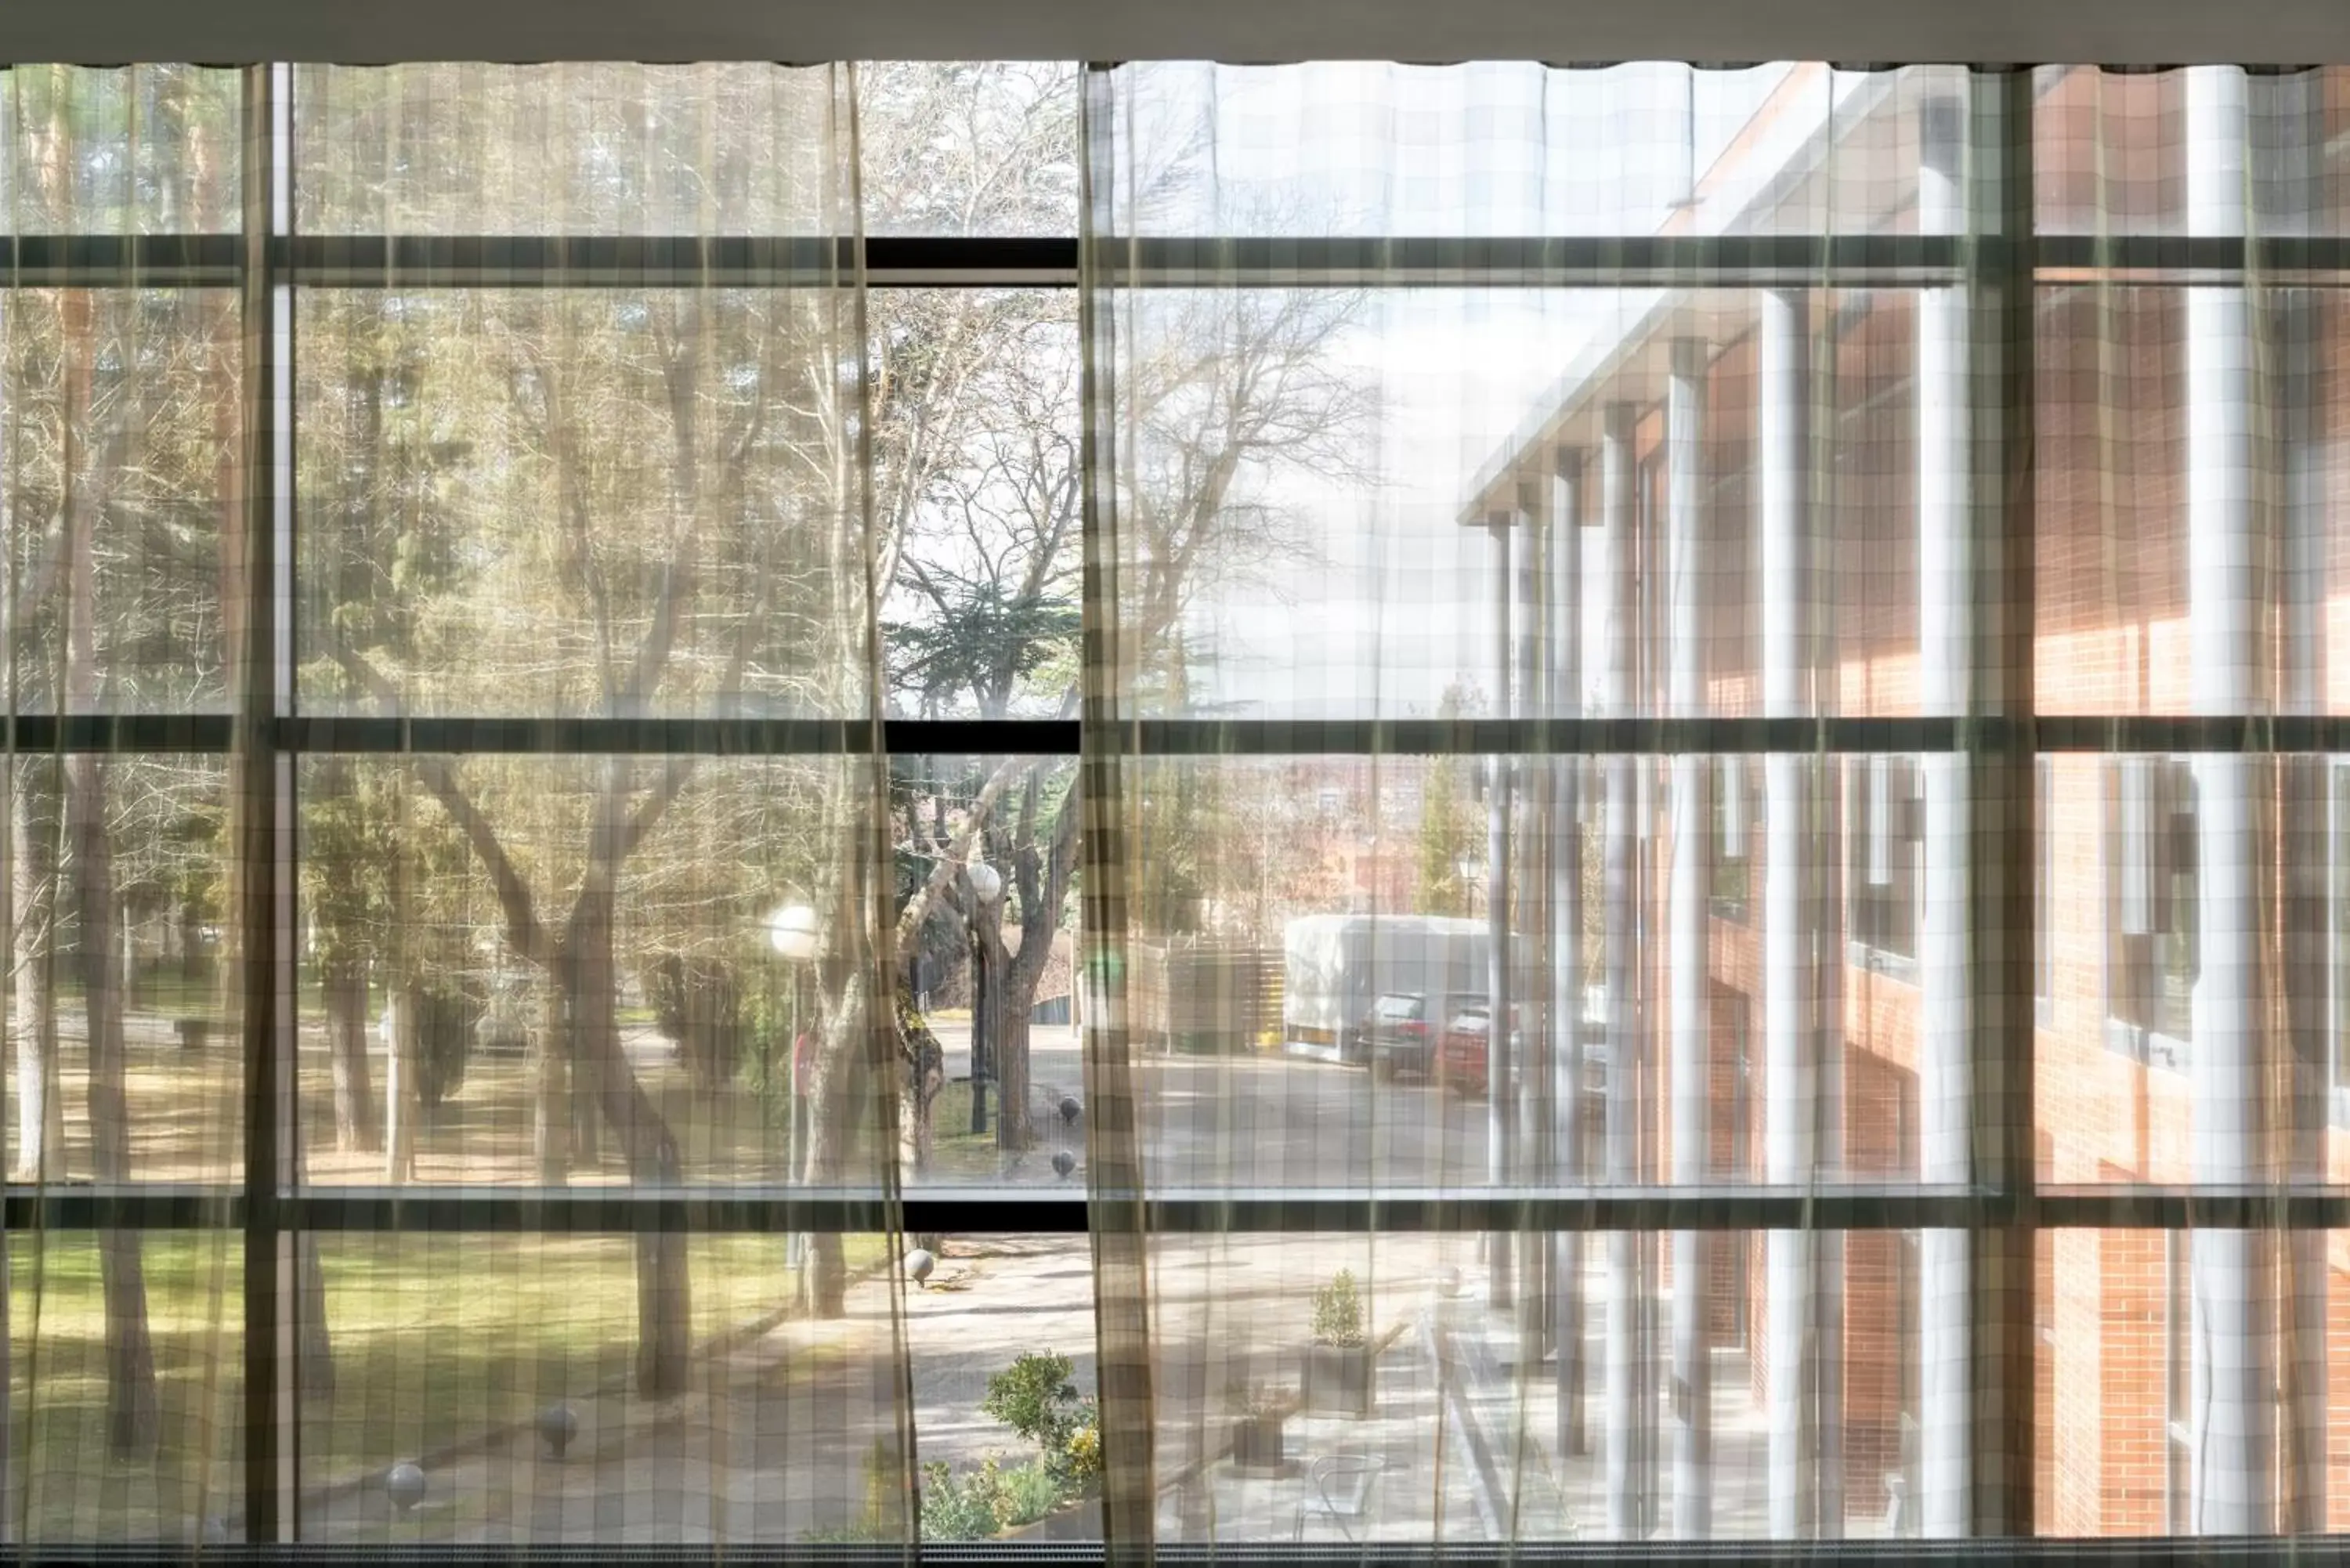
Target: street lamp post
(795,932)
(986,888)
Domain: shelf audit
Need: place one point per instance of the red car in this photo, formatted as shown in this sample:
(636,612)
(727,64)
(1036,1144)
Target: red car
(1460,1055)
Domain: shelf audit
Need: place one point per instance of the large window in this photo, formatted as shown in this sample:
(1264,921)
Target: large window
(1169,804)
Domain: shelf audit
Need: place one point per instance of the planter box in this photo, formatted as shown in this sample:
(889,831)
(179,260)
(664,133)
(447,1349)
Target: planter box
(1340,1380)
(1257,1442)
(1080,1520)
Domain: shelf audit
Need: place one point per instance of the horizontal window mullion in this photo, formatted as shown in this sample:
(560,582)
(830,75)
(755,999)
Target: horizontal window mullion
(1606,262)
(119,261)
(2117,734)
(721,1211)
(1640,261)
(1400,1551)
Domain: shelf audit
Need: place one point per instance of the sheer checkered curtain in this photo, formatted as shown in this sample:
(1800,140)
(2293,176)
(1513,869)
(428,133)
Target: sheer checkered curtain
(444,653)
(1637,602)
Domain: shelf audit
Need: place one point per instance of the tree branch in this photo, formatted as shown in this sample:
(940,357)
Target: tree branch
(524,932)
(943,870)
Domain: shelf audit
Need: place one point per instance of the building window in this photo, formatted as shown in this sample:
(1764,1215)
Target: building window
(2151,954)
(1883,874)
(1733,838)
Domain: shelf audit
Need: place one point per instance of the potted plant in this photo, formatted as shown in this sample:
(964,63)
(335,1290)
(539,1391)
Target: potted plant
(1340,1365)
(1257,1433)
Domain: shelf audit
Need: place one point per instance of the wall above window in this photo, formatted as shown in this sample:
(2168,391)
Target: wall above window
(2117,32)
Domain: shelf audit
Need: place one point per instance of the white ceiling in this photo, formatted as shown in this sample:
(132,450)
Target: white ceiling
(2104,32)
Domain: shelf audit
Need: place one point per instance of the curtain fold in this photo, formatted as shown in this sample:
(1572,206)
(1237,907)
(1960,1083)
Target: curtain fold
(1588,548)
(512,521)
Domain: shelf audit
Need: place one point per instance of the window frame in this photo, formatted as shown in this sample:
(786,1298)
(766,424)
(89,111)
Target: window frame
(269,266)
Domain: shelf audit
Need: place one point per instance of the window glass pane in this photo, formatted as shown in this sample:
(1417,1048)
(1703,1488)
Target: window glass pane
(508,1371)
(985,146)
(1367,1387)
(476,536)
(977,500)
(567,970)
(1306,479)
(2178,985)
(145,148)
(2157,1342)
(603,147)
(120,425)
(128,1065)
(126,1387)
(2112,150)
(990,1033)
(2130,381)
(1343,148)
(1309,991)
(999,1336)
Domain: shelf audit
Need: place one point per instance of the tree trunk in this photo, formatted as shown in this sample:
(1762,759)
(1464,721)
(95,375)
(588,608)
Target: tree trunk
(356,1127)
(403,1094)
(835,1099)
(925,1074)
(132,1420)
(664,1295)
(587,1064)
(316,1371)
(550,1121)
(41,1097)
(1008,1028)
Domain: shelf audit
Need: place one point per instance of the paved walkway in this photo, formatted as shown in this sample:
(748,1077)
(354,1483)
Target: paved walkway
(780,1450)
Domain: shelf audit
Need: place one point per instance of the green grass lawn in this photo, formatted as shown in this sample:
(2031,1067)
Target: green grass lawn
(435,1340)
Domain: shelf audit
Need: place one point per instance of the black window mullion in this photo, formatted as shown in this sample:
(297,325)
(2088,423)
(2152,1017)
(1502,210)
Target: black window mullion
(260,803)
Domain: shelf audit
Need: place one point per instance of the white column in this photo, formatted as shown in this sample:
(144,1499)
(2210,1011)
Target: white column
(1563,536)
(2233,1447)
(2295,113)
(1611,596)
(1500,1102)
(1945,654)
(1530,1131)
(1797,944)
(1690,1411)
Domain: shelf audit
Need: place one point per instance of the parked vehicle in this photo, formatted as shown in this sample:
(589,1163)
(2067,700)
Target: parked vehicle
(1398,1035)
(1460,1062)
(1337,966)
(1462,1059)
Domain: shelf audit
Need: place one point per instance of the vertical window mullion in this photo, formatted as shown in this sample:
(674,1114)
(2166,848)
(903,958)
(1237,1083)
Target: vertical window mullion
(260,807)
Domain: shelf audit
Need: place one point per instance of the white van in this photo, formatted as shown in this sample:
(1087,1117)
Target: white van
(1336,967)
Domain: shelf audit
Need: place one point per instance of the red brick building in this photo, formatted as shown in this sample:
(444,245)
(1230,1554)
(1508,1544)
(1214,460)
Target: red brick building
(2189,491)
